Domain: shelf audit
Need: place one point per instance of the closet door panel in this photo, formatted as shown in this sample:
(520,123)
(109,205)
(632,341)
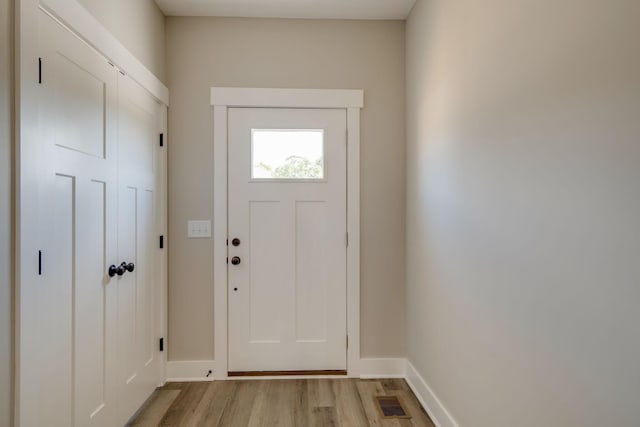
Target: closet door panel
(138,133)
(78,234)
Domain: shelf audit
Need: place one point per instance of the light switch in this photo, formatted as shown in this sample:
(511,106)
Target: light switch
(198,229)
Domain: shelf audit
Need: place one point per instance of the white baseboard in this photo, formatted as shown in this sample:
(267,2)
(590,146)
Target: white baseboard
(191,370)
(196,370)
(383,368)
(434,407)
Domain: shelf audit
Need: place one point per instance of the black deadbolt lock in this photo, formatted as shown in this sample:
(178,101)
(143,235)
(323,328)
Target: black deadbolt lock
(235,242)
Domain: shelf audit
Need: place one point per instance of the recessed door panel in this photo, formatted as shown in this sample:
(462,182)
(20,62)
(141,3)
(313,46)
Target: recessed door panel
(57,317)
(311,270)
(93,311)
(83,95)
(266,287)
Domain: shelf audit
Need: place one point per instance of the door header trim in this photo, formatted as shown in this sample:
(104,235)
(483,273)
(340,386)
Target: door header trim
(287,98)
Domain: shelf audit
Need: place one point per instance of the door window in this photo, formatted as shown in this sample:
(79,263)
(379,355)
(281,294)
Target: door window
(287,154)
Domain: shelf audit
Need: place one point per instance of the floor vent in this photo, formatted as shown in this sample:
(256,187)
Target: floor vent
(391,407)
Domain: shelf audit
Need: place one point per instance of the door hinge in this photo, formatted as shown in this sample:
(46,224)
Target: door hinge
(39,71)
(39,263)
(346,136)
(161,344)
(347,341)
(162,140)
(161,242)
(347,239)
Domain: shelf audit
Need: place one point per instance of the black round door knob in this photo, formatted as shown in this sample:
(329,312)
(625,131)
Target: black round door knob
(235,242)
(113,270)
(121,269)
(130,267)
(235,289)
(235,260)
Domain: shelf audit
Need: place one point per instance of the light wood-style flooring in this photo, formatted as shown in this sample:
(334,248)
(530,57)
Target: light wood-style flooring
(300,403)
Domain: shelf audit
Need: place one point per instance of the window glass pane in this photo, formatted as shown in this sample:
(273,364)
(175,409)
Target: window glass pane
(287,154)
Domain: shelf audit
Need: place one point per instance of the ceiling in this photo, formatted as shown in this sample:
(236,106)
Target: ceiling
(316,9)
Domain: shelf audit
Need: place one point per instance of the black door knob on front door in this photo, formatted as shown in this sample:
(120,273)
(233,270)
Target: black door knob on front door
(235,242)
(130,267)
(235,260)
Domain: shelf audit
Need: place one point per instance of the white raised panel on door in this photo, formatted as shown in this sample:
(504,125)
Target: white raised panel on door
(287,297)
(138,130)
(73,301)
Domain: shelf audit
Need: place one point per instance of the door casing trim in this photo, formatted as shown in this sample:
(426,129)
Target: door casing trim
(223,98)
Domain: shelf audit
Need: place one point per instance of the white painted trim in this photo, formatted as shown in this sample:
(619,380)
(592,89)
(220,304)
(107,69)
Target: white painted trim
(353,250)
(221,100)
(220,240)
(77,19)
(383,368)
(196,371)
(191,370)
(286,98)
(430,402)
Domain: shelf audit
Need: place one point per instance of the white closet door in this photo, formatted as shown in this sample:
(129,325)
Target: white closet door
(138,132)
(72,307)
(88,341)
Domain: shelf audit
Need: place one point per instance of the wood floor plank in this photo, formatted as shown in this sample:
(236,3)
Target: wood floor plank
(348,404)
(323,417)
(212,405)
(260,411)
(301,410)
(321,393)
(155,408)
(184,405)
(394,384)
(239,408)
(175,386)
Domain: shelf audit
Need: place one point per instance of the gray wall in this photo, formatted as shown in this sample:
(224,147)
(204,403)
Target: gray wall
(523,214)
(205,52)
(6,260)
(139,25)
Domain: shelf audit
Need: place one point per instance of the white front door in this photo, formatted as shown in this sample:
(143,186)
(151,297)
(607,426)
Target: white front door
(287,239)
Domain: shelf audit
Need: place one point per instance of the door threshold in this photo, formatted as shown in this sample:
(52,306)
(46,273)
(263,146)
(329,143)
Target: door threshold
(283,373)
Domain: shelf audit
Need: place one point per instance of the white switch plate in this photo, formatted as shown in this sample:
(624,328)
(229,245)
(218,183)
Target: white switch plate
(198,229)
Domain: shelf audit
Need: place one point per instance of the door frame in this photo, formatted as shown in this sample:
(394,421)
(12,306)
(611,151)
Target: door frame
(223,98)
